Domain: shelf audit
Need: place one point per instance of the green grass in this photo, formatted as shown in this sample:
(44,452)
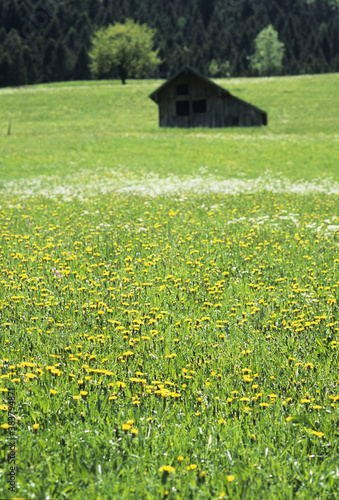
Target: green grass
(60,128)
(179,347)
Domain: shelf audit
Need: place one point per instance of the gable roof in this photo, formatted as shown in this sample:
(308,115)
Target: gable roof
(187,70)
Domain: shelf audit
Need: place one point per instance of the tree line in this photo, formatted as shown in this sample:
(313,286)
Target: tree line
(51,40)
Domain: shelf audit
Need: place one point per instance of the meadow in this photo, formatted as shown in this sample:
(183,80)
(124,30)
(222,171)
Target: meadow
(169,298)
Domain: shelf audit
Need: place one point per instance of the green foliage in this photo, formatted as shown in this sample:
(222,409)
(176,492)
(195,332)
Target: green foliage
(222,70)
(269,53)
(127,47)
(225,69)
(213,68)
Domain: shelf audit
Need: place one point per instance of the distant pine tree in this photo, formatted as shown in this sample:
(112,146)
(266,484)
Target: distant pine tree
(32,68)
(61,62)
(48,64)
(2,35)
(5,63)
(20,68)
(12,68)
(94,10)
(72,41)
(81,69)
(11,18)
(53,30)
(206,9)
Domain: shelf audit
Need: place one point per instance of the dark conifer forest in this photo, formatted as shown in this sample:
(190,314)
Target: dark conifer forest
(50,40)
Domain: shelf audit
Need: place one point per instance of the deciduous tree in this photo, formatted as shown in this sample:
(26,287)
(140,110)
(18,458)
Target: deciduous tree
(269,53)
(127,47)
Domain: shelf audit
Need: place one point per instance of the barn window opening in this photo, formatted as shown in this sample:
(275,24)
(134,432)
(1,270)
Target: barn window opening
(182,89)
(235,121)
(183,108)
(199,106)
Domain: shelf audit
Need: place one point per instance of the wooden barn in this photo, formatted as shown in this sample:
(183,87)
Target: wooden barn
(189,99)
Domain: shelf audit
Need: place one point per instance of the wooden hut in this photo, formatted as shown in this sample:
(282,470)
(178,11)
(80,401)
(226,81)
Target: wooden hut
(189,99)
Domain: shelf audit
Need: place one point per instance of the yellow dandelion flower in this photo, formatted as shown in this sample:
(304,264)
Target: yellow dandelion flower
(167,468)
(319,434)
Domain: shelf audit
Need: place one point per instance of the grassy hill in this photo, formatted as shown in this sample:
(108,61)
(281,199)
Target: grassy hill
(63,128)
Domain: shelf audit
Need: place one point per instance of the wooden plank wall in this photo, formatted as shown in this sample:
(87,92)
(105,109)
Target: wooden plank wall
(221,110)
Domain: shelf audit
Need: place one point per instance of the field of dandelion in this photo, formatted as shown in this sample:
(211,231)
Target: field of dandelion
(168,298)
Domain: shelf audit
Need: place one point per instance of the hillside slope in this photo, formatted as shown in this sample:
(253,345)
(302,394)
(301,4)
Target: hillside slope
(61,129)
